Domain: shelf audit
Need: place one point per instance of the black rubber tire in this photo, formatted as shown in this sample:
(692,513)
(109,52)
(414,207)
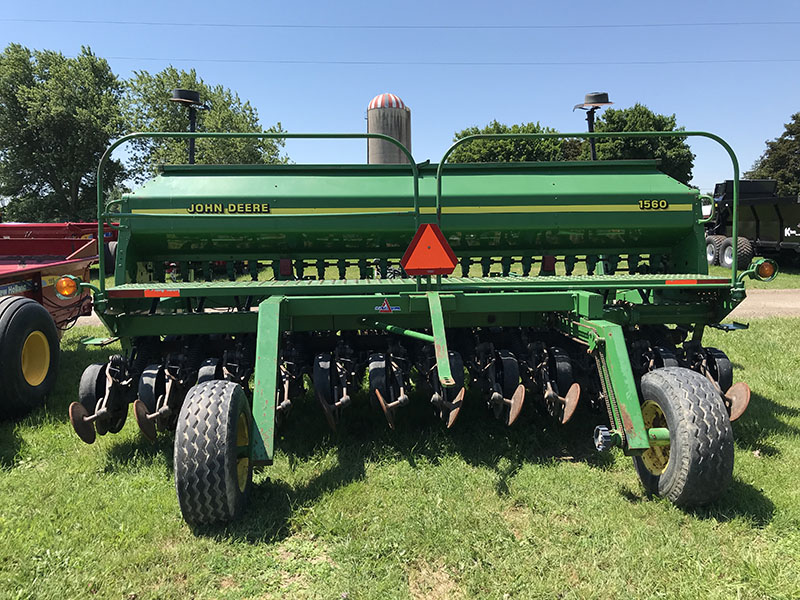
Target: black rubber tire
(118,401)
(700,465)
(322,378)
(725,260)
(19,318)
(509,367)
(712,251)
(377,379)
(205,453)
(151,386)
(720,367)
(110,256)
(561,370)
(209,370)
(91,388)
(744,253)
(665,357)
(717,240)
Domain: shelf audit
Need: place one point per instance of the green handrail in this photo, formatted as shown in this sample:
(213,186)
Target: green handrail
(608,135)
(101,215)
(713,210)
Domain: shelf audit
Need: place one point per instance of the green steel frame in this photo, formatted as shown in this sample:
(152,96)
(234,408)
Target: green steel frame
(577,306)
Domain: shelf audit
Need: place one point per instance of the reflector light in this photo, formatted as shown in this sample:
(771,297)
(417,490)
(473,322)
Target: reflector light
(66,288)
(766,270)
(429,253)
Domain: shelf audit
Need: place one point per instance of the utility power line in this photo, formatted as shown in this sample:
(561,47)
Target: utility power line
(422,63)
(335,26)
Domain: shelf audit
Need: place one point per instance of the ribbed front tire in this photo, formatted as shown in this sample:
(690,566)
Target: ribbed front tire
(213,470)
(697,466)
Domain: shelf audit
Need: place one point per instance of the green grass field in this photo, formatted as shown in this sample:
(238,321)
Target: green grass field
(476,512)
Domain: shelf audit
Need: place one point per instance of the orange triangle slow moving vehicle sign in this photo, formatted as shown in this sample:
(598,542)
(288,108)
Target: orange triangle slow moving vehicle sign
(429,253)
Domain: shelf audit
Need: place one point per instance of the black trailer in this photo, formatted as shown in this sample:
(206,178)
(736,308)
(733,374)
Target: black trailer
(769,225)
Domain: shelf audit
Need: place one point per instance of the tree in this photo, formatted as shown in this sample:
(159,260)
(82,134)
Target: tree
(512,150)
(57,117)
(676,157)
(148,108)
(781,160)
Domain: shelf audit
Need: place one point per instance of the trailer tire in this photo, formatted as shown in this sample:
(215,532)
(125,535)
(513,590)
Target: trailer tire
(712,252)
(29,355)
(744,253)
(713,248)
(697,466)
(110,255)
(213,469)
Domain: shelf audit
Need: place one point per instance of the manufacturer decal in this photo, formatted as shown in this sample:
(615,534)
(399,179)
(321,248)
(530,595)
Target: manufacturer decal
(385,307)
(19,287)
(232,208)
(789,232)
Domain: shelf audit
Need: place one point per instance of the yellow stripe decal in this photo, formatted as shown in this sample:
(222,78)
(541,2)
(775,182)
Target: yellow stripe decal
(448,210)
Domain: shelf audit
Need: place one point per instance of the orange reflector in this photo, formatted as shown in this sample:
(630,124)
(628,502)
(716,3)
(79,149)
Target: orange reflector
(766,269)
(140,293)
(66,287)
(162,293)
(429,253)
(695,281)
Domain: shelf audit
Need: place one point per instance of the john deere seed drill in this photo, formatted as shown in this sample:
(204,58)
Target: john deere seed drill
(574,285)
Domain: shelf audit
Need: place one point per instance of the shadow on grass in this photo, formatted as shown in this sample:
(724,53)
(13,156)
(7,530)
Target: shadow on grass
(762,421)
(741,500)
(10,444)
(129,454)
(364,437)
(272,504)
(477,438)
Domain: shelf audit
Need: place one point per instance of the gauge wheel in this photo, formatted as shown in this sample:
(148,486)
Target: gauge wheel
(212,453)
(696,467)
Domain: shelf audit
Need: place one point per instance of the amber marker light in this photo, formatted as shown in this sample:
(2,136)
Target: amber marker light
(766,270)
(66,288)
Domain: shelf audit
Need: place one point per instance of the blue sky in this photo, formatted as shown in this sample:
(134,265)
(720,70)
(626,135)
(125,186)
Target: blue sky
(747,103)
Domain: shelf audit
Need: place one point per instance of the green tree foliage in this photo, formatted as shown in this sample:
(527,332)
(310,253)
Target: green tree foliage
(512,150)
(57,116)
(674,153)
(781,160)
(148,108)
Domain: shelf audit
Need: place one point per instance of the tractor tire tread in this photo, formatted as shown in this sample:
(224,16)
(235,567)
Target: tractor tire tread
(705,438)
(744,253)
(206,492)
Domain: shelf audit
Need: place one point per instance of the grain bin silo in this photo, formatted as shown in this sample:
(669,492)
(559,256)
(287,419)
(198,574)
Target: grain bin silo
(387,114)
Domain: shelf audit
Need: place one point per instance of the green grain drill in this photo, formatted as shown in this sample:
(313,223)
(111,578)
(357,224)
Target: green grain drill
(579,285)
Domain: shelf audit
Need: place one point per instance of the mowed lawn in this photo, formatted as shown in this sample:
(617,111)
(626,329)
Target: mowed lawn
(479,511)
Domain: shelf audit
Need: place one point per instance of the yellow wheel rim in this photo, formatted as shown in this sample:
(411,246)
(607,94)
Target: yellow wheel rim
(656,458)
(35,358)
(242,451)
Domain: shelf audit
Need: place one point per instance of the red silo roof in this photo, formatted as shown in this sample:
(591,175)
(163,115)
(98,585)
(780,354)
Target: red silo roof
(386,101)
